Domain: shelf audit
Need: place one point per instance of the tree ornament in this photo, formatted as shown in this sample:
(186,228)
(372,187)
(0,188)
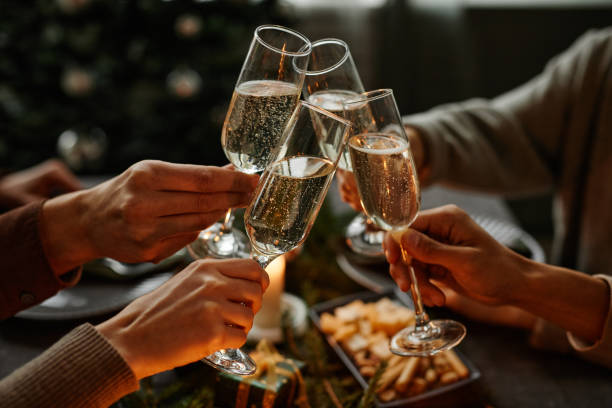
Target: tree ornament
(184,82)
(77,81)
(188,25)
(72,6)
(82,149)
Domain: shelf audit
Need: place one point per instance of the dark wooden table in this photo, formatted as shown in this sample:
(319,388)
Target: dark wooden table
(513,374)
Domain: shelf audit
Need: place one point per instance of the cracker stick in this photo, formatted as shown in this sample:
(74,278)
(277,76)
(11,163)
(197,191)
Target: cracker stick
(455,362)
(410,368)
(388,395)
(394,369)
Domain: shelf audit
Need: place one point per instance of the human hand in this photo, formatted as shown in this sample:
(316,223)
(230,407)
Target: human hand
(146,213)
(197,312)
(449,249)
(348,189)
(36,183)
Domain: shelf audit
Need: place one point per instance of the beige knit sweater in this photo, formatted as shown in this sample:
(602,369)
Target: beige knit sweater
(80,370)
(553,133)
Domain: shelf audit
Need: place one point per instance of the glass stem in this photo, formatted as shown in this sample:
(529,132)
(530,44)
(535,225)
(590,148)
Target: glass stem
(262,259)
(228,221)
(421,323)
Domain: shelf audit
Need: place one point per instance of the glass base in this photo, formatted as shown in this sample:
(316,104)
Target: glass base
(213,242)
(436,336)
(233,361)
(364,240)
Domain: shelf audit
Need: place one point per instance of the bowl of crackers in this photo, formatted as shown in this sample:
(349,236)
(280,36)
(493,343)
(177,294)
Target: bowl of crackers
(358,328)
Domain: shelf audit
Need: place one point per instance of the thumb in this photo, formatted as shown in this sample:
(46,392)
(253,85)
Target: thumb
(428,250)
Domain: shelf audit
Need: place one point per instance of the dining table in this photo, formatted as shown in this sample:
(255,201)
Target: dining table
(512,373)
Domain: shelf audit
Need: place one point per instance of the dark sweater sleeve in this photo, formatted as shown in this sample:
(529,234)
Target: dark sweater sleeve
(81,370)
(26,277)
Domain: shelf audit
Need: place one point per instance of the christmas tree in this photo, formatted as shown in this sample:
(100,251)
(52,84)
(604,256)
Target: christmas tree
(120,81)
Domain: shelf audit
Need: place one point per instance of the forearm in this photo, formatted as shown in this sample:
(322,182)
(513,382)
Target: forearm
(575,301)
(64,232)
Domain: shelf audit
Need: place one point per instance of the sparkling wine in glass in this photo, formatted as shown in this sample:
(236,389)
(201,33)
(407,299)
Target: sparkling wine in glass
(293,186)
(331,79)
(290,191)
(389,191)
(266,93)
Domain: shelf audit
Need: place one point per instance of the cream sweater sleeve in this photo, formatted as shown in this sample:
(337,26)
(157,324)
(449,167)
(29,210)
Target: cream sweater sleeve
(511,144)
(81,370)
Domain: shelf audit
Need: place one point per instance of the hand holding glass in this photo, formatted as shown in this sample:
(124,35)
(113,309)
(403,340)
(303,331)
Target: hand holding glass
(289,195)
(389,191)
(266,93)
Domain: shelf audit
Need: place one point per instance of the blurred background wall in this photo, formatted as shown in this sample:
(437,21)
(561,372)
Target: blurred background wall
(119,81)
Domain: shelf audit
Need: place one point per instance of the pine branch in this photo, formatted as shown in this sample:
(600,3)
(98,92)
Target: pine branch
(370,393)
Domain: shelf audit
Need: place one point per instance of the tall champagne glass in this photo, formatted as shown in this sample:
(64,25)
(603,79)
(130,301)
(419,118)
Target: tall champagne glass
(266,93)
(331,79)
(289,195)
(389,191)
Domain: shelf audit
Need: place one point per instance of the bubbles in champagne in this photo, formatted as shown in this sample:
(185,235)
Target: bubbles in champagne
(286,203)
(386,179)
(333,100)
(255,122)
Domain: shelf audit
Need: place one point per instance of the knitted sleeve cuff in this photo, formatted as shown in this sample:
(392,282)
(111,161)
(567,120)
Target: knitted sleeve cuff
(81,370)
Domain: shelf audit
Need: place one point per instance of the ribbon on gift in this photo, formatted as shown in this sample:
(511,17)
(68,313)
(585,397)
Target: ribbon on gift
(268,371)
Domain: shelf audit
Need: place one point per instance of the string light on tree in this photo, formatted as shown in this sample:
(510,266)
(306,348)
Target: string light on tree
(184,82)
(77,81)
(72,6)
(188,25)
(82,148)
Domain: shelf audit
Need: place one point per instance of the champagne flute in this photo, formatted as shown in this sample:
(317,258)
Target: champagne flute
(389,192)
(331,79)
(289,195)
(266,93)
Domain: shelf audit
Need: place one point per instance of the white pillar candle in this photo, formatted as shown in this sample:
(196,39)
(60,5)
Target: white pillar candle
(269,316)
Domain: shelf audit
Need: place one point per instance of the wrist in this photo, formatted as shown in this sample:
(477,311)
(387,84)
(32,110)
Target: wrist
(575,301)
(116,333)
(526,275)
(64,232)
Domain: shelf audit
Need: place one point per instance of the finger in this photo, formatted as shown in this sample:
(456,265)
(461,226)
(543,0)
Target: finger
(58,176)
(401,275)
(428,250)
(170,225)
(448,223)
(179,202)
(392,250)
(428,289)
(246,269)
(247,292)
(437,272)
(203,179)
(238,315)
(235,337)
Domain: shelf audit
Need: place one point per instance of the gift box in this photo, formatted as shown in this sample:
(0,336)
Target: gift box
(277,383)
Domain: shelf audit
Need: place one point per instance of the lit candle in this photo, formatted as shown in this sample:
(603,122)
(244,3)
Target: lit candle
(269,316)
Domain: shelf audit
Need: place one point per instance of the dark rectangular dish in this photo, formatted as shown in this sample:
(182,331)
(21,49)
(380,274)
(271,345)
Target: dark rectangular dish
(458,394)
